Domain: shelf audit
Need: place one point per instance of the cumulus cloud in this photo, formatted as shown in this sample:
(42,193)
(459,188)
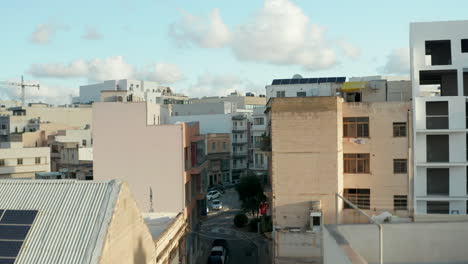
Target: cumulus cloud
(398,62)
(44,33)
(46,93)
(209,84)
(211,32)
(279,33)
(92,33)
(349,49)
(163,73)
(100,69)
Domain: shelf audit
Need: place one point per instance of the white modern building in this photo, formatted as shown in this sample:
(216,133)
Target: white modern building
(126,90)
(18,162)
(259,163)
(439,71)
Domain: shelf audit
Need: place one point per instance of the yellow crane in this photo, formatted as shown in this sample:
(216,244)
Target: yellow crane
(23,86)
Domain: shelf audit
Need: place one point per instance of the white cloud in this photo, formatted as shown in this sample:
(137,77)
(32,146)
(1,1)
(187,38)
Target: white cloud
(220,85)
(100,69)
(163,73)
(45,32)
(279,33)
(206,33)
(92,33)
(349,49)
(46,93)
(398,62)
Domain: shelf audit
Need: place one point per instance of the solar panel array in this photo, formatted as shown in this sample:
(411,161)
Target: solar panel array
(309,80)
(14,227)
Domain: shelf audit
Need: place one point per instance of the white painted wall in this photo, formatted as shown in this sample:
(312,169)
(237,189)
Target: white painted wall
(12,169)
(208,123)
(311,89)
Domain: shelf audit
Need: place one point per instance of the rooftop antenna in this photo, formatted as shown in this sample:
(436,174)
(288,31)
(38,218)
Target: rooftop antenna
(23,87)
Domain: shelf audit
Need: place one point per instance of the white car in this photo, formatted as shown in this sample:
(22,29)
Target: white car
(213,195)
(216,205)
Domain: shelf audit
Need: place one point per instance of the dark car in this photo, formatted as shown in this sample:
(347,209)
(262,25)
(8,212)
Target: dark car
(219,252)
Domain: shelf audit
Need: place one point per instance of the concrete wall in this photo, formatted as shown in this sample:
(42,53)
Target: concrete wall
(76,135)
(12,169)
(208,123)
(336,249)
(146,156)
(306,162)
(383,148)
(72,116)
(40,138)
(410,243)
(300,244)
(219,108)
(128,239)
(311,89)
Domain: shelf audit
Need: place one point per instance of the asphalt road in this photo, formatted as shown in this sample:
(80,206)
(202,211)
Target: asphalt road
(242,245)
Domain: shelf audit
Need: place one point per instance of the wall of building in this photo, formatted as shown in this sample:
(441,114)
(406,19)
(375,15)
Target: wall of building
(72,116)
(40,138)
(311,89)
(128,239)
(218,108)
(306,162)
(127,147)
(208,123)
(383,148)
(410,242)
(12,169)
(80,136)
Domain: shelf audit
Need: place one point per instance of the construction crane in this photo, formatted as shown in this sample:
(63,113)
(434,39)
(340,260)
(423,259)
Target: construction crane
(23,87)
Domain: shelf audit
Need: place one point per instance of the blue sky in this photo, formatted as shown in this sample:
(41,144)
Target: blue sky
(205,47)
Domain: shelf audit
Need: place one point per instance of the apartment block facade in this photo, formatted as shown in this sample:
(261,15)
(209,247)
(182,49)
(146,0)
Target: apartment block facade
(439,71)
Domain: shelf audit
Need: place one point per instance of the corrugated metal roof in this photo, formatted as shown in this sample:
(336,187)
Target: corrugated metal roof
(72,220)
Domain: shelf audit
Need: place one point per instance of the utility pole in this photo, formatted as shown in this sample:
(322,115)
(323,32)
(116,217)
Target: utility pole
(23,87)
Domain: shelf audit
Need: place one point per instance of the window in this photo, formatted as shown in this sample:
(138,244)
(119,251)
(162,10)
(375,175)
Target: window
(359,197)
(437,115)
(464,45)
(213,146)
(356,163)
(301,94)
(241,135)
(2,162)
(400,202)
(355,127)
(83,142)
(224,145)
(38,160)
(400,166)
(399,129)
(20,161)
(258,121)
(438,207)
(445,80)
(240,123)
(3,126)
(280,94)
(438,52)
(438,181)
(437,148)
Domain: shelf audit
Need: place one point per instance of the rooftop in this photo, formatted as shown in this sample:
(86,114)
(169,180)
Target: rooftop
(69,224)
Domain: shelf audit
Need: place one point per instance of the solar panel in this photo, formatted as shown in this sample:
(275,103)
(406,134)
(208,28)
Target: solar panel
(303,80)
(341,79)
(10,248)
(14,232)
(276,82)
(286,81)
(331,79)
(313,80)
(295,81)
(1,213)
(19,217)
(322,80)
(7,261)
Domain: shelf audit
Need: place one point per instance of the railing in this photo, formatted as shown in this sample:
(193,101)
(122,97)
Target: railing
(380,226)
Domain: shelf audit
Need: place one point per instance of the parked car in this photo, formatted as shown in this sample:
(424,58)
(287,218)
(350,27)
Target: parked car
(219,252)
(216,205)
(213,195)
(217,187)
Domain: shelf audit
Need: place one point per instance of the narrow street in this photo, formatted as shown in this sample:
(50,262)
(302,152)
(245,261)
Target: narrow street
(245,247)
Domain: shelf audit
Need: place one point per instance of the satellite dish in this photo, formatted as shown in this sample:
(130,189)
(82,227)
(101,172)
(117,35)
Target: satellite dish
(297,76)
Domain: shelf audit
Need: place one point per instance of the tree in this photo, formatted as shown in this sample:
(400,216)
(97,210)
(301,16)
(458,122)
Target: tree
(250,192)
(240,220)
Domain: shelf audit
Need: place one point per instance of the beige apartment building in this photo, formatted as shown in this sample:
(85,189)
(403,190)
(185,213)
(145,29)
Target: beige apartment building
(323,145)
(17,162)
(218,150)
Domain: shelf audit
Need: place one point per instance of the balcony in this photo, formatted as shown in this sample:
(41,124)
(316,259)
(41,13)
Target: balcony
(239,154)
(3,132)
(265,144)
(240,141)
(239,129)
